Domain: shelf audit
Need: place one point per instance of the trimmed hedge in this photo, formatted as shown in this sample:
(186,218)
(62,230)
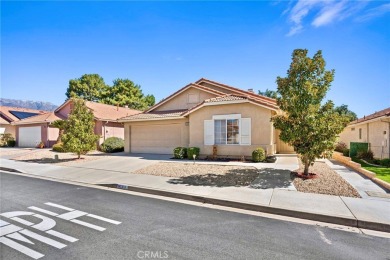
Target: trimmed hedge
(59,147)
(191,151)
(346,152)
(385,162)
(11,143)
(180,152)
(113,145)
(258,155)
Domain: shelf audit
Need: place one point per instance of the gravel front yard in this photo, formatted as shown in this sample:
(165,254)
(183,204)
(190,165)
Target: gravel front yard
(203,174)
(328,182)
(48,156)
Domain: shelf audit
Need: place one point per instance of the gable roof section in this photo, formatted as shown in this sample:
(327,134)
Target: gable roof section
(385,113)
(232,99)
(236,90)
(11,117)
(48,117)
(104,112)
(158,115)
(194,85)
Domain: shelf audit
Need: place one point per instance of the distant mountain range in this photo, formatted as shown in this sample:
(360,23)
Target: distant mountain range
(39,105)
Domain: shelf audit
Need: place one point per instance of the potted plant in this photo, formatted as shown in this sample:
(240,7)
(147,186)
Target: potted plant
(41,145)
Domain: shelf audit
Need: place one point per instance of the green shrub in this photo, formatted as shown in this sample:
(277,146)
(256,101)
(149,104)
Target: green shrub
(340,147)
(346,152)
(180,152)
(113,145)
(258,155)
(191,151)
(58,147)
(368,155)
(376,161)
(385,162)
(7,140)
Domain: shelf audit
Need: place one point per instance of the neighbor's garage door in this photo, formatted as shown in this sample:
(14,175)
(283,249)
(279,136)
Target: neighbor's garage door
(160,139)
(29,136)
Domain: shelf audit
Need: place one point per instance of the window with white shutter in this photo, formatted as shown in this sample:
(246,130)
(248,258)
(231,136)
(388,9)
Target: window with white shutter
(209,132)
(246,131)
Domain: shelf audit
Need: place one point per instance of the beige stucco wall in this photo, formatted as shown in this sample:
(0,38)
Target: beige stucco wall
(181,101)
(9,129)
(112,129)
(65,111)
(375,133)
(261,129)
(182,137)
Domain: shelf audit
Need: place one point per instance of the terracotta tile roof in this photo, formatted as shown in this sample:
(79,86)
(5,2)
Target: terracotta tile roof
(48,117)
(225,98)
(237,90)
(5,111)
(213,91)
(109,112)
(384,112)
(155,115)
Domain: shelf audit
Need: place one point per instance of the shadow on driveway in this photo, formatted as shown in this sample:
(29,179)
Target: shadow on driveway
(272,178)
(235,178)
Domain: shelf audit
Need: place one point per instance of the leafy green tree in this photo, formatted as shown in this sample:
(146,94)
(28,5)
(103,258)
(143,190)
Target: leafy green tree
(306,124)
(126,92)
(79,134)
(89,87)
(269,93)
(60,124)
(343,110)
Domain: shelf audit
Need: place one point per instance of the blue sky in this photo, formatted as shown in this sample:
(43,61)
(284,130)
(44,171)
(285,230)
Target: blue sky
(165,45)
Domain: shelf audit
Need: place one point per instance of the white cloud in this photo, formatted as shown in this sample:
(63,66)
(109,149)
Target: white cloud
(323,12)
(374,12)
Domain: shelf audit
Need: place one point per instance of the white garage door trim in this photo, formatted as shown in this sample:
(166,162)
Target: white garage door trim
(29,136)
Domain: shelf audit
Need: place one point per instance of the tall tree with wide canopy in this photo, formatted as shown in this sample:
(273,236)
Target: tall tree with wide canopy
(343,110)
(89,87)
(306,123)
(126,92)
(269,93)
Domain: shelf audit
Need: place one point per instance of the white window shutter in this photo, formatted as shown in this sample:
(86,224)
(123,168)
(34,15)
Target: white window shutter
(209,132)
(246,131)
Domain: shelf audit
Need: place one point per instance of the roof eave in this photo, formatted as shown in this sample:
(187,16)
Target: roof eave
(150,119)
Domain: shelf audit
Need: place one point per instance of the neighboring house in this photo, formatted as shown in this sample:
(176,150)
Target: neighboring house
(204,114)
(8,115)
(31,131)
(373,129)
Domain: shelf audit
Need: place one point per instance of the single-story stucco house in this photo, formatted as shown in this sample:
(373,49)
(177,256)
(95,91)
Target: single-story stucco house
(373,129)
(206,114)
(8,115)
(33,130)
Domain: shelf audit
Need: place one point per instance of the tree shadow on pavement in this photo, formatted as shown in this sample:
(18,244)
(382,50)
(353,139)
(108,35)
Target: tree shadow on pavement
(232,178)
(270,178)
(49,160)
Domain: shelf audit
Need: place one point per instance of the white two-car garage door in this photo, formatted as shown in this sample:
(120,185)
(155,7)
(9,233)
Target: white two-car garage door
(29,136)
(160,139)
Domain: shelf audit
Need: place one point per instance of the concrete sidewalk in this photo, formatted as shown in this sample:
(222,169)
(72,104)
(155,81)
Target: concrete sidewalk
(356,212)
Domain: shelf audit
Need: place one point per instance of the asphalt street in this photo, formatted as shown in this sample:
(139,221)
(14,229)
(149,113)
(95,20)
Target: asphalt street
(100,224)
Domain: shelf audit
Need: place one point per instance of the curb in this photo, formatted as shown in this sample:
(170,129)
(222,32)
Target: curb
(11,170)
(352,222)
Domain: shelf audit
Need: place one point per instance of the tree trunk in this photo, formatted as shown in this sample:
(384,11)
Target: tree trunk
(61,132)
(79,155)
(306,164)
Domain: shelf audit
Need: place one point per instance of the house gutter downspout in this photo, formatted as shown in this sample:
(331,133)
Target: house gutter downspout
(104,128)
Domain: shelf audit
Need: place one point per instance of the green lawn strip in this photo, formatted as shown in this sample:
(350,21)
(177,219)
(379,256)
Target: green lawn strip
(382,173)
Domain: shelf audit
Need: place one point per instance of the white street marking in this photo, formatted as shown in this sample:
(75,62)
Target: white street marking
(322,235)
(43,211)
(46,224)
(19,237)
(58,206)
(62,236)
(3,223)
(72,215)
(87,224)
(43,239)
(104,219)
(9,229)
(12,214)
(22,221)
(21,248)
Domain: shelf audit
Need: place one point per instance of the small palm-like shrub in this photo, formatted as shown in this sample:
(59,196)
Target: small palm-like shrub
(180,152)
(193,151)
(58,147)
(113,145)
(258,155)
